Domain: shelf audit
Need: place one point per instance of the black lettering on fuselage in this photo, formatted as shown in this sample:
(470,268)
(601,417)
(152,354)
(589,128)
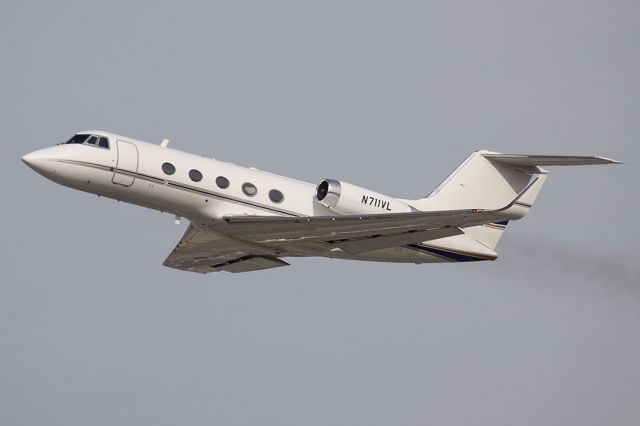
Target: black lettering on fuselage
(376,202)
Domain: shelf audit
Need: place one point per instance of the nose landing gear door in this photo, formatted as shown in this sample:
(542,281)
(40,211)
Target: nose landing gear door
(127,165)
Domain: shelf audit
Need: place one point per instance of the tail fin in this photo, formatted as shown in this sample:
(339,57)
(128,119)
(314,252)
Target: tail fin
(489,180)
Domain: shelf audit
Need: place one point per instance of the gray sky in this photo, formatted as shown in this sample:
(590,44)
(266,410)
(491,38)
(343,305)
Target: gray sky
(94,331)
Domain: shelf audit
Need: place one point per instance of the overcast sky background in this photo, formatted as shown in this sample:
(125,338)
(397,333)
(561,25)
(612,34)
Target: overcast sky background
(391,96)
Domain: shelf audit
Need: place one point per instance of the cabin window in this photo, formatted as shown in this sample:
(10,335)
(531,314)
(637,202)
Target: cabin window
(104,143)
(222,182)
(276,196)
(168,168)
(249,189)
(195,175)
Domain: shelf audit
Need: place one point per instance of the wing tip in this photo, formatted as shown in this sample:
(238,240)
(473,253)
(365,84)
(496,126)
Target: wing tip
(607,160)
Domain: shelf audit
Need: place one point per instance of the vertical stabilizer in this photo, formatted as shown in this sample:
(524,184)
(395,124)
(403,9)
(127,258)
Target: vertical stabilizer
(489,180)
(480,183)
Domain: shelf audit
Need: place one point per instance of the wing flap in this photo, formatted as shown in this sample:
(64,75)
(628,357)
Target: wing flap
(250,263)
(203,250)
(379,242)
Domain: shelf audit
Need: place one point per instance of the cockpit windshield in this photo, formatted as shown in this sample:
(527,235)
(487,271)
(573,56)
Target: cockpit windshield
(86,139)
(79,138)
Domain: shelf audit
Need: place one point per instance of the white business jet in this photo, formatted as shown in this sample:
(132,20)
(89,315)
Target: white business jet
(243,219)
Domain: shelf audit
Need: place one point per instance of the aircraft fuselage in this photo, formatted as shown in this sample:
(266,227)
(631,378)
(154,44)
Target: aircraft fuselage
(244,219)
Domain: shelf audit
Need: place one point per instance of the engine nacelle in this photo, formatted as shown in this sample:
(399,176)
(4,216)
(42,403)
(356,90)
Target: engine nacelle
(345,198)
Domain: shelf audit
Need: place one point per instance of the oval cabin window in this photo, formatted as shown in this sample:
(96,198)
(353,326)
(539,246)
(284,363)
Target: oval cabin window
(249,189)
(276,196)
(222,182)
(168,168)
(195,175)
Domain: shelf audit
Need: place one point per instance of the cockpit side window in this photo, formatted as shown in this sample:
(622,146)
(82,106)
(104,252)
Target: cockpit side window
(93,140)
(104,143)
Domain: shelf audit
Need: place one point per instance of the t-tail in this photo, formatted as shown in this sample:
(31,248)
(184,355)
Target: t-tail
(491,181)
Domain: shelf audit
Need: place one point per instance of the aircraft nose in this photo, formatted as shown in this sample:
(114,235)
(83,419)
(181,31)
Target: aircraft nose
(28,158)
(34,160)
(41,160)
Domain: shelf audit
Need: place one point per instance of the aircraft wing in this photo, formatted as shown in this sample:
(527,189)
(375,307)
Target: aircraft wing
(203,250)
(358,233)
(251,243)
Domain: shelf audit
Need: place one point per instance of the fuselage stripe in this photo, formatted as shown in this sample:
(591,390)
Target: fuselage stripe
(520,203)
(180,186)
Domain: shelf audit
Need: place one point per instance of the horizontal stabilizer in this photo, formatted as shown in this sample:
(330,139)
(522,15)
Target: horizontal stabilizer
(547,160)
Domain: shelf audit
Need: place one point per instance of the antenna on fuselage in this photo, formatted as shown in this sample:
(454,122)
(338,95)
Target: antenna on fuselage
(164,143)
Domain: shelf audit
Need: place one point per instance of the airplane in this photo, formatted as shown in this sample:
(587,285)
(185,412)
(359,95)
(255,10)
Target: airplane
(244,219)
